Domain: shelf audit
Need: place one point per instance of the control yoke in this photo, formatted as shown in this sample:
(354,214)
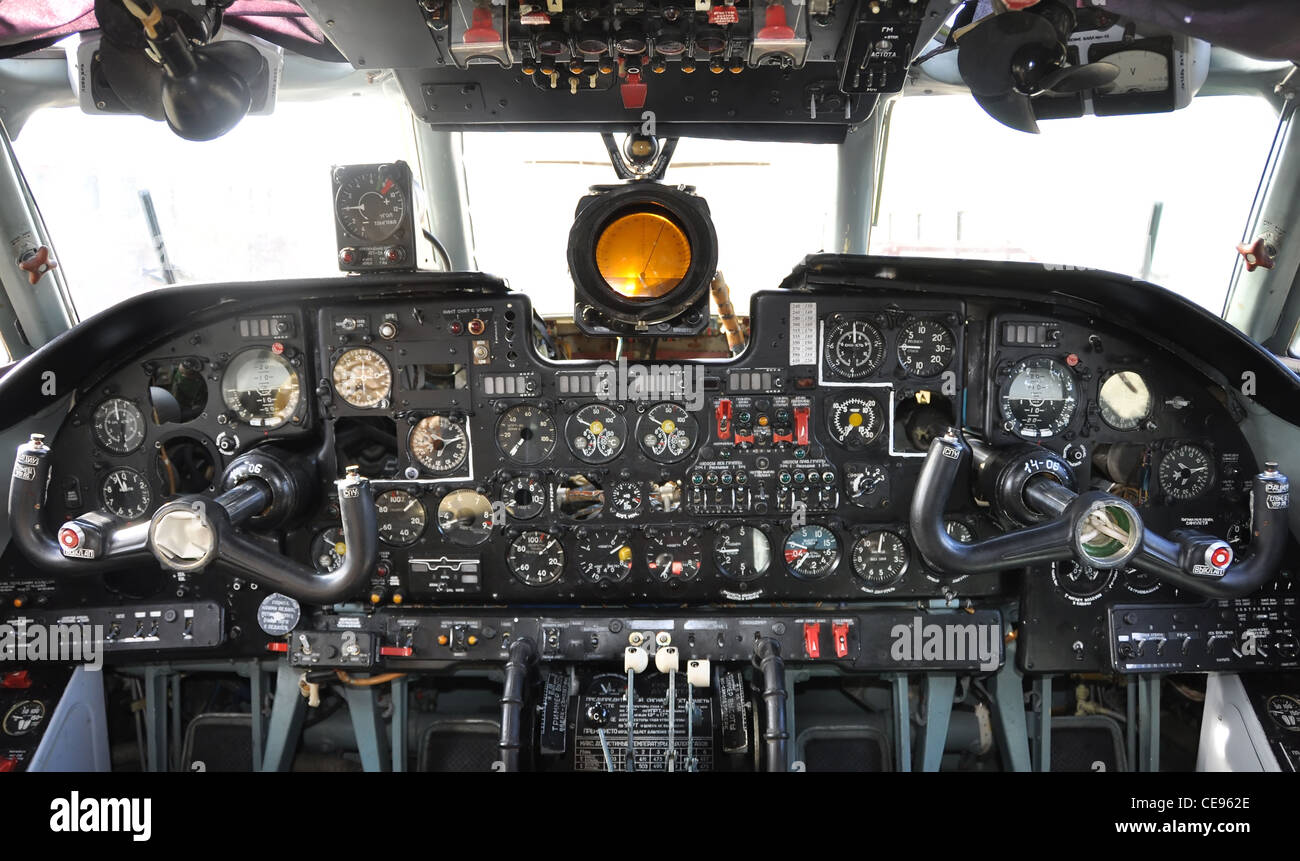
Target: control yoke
(1033,487)
(262,489)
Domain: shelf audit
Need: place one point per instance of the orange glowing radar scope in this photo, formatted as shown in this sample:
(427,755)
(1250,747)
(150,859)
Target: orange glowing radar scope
(643,255)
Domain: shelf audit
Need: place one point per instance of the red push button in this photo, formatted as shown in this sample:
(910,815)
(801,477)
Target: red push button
(277,646)
(70,537)
(1221,556)
(8,763)
(840,632)
(812,639)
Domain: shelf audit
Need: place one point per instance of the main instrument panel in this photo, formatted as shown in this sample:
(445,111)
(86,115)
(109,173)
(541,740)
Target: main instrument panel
(784,475)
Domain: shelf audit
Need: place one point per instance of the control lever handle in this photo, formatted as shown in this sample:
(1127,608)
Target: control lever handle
(1098,529)
(193,532)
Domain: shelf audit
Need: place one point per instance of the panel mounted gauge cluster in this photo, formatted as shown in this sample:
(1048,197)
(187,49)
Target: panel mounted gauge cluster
(889,345)
(374,216)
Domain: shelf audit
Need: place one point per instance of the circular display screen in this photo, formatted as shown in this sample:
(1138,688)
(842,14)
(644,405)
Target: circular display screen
(643,255)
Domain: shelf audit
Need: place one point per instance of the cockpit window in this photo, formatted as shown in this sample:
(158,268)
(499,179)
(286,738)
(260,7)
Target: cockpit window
(253,205)
(1163,197)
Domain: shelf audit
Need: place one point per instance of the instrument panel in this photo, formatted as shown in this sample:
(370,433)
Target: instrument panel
(782,475)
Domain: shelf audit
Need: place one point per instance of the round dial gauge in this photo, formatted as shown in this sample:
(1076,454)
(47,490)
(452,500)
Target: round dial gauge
(855,421)
(811,552)
(673,554)
(526,434)
(596,433)
(401,516)
(439,443)
(925,348)
(371,205)
(667,432)
(261,387)
(880,558)
(1185,472)
(741,551)
(643,255)
(465,517)
(1125,400)
(1040,400)
(536,558)
(604,555)
(1082,583)
(328,550)
(626,499)
(854,349)
(523,496)
(126,493)
(363,378)
(118,426)
(958,530)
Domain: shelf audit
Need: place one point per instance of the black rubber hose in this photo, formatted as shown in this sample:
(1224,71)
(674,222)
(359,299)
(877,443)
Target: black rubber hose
(776,736)
(523,653)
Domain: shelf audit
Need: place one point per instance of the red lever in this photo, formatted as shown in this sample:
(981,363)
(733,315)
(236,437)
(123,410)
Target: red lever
(633,92)
(801,425)
(723,414)
(277,646)
(774,26)
(840,633)
(8,763)
(396,651)
(1257,254)
(480,28)
(812,639)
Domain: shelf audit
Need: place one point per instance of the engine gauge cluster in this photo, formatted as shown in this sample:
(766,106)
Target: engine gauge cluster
(596,433)
(667,432)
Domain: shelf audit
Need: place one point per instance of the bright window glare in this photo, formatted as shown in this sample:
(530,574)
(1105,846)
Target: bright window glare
(748,186)
(959,184)
(250,206)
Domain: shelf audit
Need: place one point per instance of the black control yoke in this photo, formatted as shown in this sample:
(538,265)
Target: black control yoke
(1032,486)
(261,489)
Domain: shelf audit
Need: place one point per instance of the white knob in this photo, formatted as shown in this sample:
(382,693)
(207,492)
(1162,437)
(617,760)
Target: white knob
(635,659)
(666,659)
(697,673)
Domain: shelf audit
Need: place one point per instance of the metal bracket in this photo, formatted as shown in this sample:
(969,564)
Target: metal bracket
(651,169)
